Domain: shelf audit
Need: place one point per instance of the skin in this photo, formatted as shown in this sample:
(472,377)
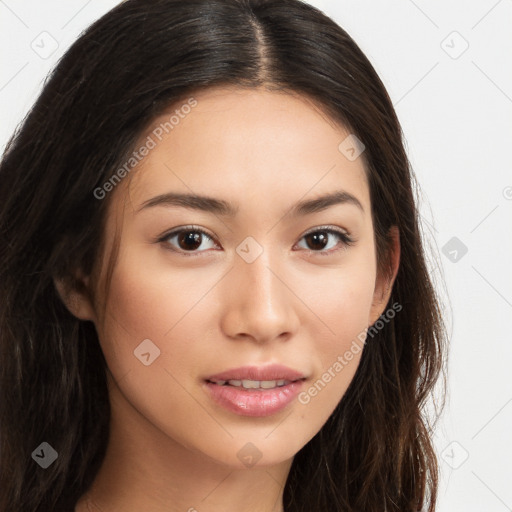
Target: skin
(171,447)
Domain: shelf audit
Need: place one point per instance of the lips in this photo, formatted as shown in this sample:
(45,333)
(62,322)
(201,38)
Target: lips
(275,372)
(255,391)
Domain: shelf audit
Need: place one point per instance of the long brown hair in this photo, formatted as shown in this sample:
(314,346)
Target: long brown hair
(375,452)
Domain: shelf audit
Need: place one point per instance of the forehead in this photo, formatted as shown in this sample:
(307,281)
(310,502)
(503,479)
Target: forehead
(246,143)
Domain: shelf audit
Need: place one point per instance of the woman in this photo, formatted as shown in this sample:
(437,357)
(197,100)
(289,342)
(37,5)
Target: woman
(214,294)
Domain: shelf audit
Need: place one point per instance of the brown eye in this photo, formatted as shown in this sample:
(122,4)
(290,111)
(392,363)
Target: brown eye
(317,240)
(323,240)
(188,240)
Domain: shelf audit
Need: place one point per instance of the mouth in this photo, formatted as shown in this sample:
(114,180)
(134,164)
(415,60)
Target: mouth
(254,385)
(255,391)
(253,376)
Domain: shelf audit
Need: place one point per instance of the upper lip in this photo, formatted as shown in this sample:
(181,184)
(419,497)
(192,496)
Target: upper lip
(270,372)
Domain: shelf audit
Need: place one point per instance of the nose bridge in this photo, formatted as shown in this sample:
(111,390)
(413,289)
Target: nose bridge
(258,304)
(262,289)
(258,278)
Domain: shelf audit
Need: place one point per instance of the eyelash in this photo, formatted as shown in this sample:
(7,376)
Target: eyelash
(345,238)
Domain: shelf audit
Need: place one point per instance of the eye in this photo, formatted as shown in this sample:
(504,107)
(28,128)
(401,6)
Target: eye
(323,240)
(188,239)
(193,240)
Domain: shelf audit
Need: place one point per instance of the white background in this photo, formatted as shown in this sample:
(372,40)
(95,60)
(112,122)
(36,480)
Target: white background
(455,107)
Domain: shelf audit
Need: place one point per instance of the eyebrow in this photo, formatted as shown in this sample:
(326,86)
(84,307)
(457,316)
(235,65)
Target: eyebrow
(224,208)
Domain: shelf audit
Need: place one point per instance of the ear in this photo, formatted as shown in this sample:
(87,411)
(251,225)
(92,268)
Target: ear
(76,296)
(384,281)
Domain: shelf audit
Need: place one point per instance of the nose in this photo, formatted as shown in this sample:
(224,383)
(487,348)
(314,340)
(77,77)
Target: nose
(258,303)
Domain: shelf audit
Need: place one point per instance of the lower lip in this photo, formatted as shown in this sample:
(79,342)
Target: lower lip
(254,402)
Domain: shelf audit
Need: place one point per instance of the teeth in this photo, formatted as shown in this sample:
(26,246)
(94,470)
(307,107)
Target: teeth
(254,384)
(251,384)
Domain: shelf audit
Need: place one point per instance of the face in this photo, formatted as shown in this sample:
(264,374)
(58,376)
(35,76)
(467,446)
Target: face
(265,274)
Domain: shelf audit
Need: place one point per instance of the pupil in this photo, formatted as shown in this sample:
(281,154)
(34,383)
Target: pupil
(317,237)
(190,237)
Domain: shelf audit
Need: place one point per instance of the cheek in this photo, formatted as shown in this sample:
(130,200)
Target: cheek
(342,308)
(139,308)
(340,301)
(147,301)
(152,313)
